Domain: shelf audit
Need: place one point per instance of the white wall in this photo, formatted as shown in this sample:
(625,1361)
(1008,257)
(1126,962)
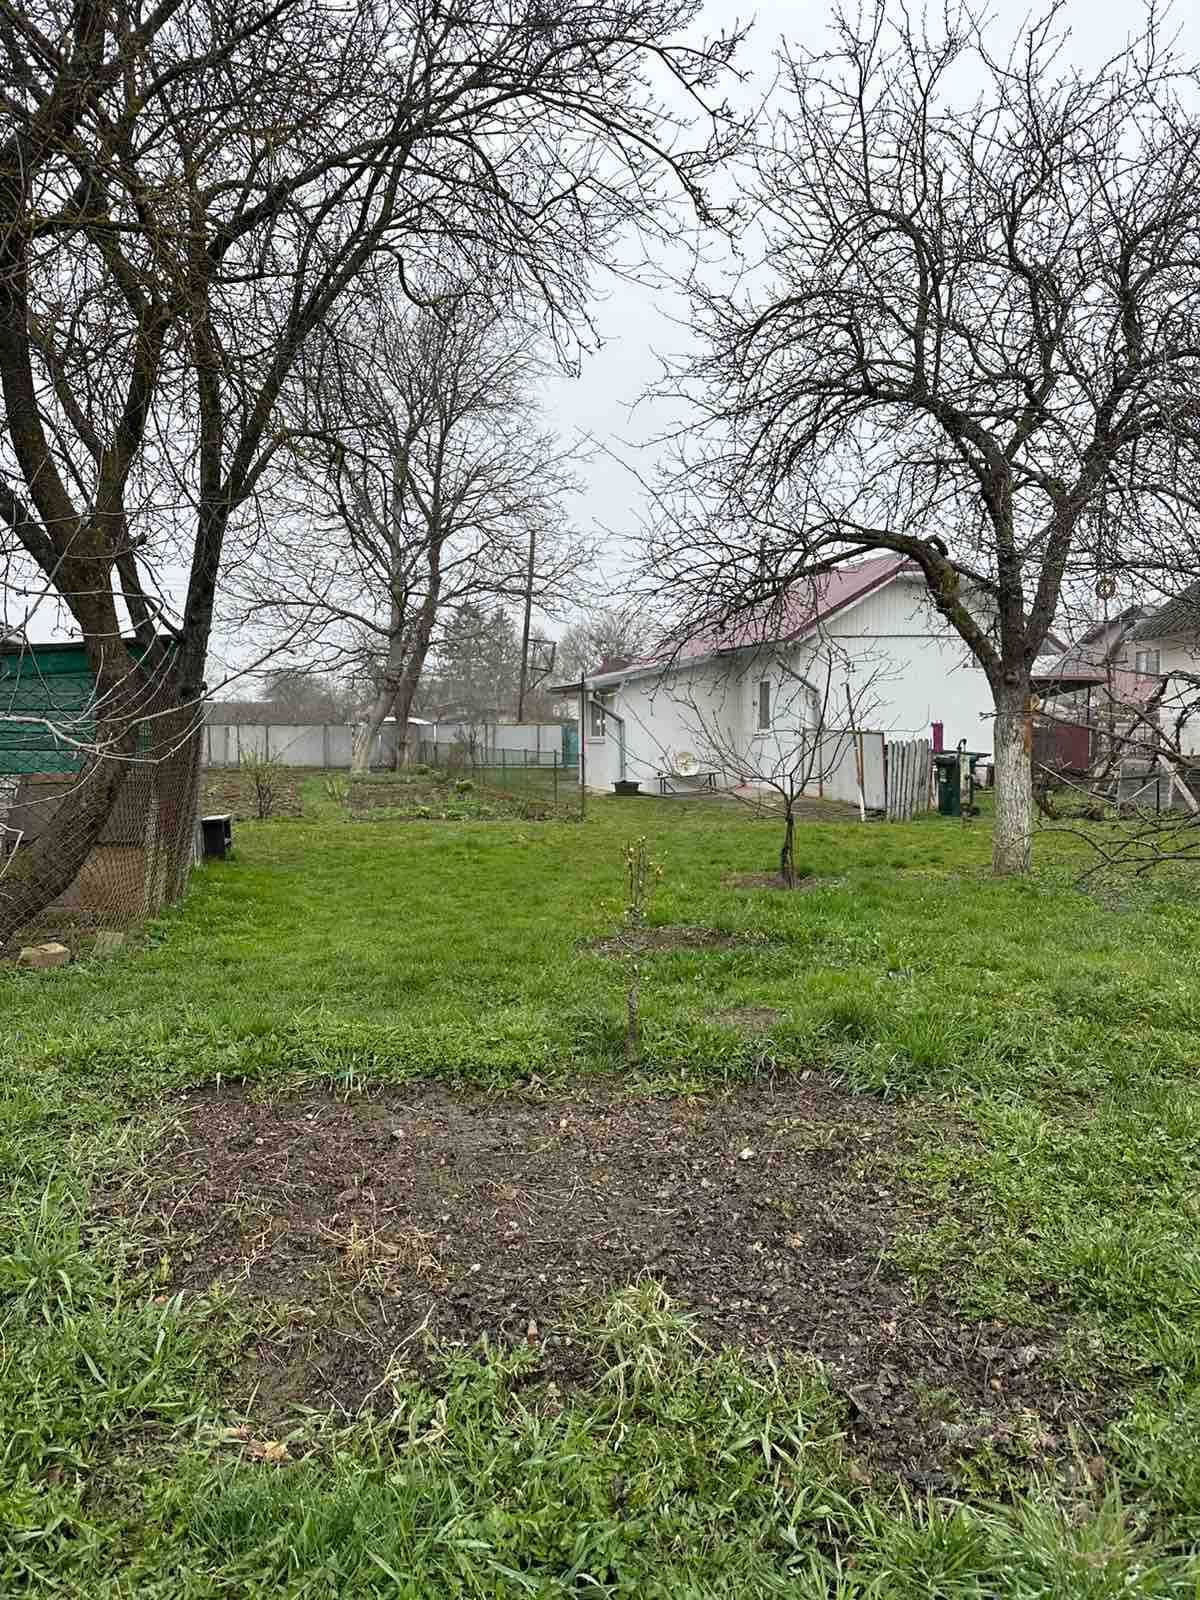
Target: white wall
(710,711)
(927,673)
(1178,655)
(660,721)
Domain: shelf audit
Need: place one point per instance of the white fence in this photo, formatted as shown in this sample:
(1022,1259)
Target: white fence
(909,779)
(329,745)
(836,768)
(297,745)
(539,738)
(896,776)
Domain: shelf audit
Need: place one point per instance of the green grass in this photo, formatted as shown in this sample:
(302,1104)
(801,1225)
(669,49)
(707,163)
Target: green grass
(1062,1028)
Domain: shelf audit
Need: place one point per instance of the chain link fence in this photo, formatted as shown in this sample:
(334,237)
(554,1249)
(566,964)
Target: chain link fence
(116,829)
(532,776)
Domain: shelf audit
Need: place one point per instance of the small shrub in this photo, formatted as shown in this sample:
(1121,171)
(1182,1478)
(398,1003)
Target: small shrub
(266,781)
(464,786)
(337,788)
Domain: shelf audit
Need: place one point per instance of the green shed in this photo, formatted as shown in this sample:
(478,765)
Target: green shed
(52,681)
(47,697)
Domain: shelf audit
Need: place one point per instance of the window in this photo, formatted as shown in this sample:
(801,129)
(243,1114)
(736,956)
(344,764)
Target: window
(596,729)
(764,704)
(1147,662)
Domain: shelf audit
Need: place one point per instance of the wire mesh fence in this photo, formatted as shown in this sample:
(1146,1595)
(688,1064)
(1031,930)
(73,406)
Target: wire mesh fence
(96,827)
(534,776)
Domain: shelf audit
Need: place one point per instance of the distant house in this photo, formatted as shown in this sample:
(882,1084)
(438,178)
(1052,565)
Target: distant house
(1126,682)
(1167,645)
(870,626)
(1092,692)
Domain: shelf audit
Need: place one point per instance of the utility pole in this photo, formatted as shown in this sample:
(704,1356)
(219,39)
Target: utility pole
(525,629)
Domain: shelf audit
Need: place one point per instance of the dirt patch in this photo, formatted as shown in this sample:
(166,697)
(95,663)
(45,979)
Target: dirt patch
(750,1019)
(770,1213)
(645,941)
(378,795)
(421,799)
(233,793)
(804,884)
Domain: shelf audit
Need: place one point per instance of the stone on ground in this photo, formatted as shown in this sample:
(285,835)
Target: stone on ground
(42,956)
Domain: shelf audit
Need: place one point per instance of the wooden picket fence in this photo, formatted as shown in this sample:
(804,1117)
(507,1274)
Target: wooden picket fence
(908,779)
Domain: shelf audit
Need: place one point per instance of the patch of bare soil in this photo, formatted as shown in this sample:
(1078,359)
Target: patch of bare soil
(418,799)
(804,883)
(378,796)
(233,793)
(770,1213)
(644,941)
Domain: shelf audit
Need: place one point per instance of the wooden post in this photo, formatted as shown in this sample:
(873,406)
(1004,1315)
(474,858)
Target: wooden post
(858,756)
(524,683)
(887,780)
(582,749)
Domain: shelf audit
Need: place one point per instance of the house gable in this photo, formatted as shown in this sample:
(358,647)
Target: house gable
(1177,621)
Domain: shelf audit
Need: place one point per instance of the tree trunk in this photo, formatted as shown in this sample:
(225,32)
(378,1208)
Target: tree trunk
(410,678)
(177,787)
(633,1017)
(524,684)
(1014,782)
(367,732)
(787,859)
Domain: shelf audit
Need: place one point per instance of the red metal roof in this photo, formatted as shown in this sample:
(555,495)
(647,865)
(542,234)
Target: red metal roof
(804,608)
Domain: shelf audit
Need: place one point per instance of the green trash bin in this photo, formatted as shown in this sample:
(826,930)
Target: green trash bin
(953,766)
(949,788)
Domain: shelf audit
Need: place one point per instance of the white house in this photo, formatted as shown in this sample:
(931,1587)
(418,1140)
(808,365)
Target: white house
(864,645)
(1167,645)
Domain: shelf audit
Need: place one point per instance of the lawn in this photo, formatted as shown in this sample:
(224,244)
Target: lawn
(346,1255)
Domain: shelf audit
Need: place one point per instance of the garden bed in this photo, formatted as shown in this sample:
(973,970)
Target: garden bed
(233,792)
(770,1214)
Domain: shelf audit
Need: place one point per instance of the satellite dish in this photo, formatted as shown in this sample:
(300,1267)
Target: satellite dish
(685,762)
(1106,588)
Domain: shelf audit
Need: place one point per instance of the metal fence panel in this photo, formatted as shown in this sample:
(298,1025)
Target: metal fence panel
(540,777)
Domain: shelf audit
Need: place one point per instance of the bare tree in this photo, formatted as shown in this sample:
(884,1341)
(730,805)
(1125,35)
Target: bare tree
(973,339)
(434,487)
(816,723)
(189,191)
(296,694)
(601,638)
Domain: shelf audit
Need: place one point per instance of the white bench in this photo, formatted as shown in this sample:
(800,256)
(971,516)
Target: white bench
(698,780)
